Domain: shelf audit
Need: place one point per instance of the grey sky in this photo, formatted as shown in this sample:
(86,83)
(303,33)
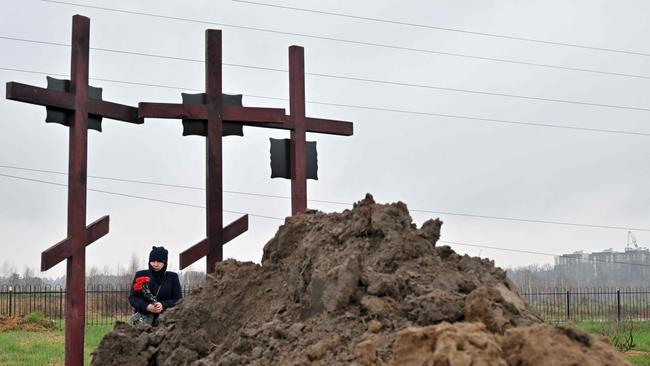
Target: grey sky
(431,163)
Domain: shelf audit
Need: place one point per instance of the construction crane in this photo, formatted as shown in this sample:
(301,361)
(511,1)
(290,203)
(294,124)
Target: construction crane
(631,239)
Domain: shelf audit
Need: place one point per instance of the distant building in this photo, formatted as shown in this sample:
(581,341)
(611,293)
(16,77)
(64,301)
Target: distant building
(606,267)
(573,258)
(631,255)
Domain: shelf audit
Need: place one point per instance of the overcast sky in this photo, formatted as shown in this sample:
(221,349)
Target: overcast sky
(436,163)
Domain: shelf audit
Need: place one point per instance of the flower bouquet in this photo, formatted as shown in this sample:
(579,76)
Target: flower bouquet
(142,284)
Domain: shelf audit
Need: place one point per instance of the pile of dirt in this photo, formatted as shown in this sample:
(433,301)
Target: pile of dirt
(361,287)
(34,322)
(8,323)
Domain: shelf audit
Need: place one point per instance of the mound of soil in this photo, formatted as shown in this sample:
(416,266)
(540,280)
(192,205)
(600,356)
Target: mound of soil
(8,323)
(361,287)
(34,324)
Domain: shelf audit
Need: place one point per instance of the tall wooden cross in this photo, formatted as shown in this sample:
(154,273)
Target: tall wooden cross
(298,161)
(212,114)
(79,106)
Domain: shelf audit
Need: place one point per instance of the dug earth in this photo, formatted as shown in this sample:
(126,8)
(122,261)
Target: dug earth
(363,287)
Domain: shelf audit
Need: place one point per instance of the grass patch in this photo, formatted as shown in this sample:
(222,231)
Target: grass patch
(38,319)
(639,355)
(638,359)
(44,348)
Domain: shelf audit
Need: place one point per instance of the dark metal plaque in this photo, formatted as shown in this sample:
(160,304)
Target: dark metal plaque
(281,159)
(63,116)
(197,127)
(312,160)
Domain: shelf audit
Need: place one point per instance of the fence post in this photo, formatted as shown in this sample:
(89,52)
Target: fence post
(568,309)
(45,296)
(17,291)
(10,293)
(618,304)
(60,304)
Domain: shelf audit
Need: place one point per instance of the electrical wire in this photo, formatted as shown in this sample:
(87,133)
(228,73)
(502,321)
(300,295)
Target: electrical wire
(397,83)
(540,253)
(481,92)
(534,64)
(352,106)
(168,17)
(281,219)
(138,197)
(565,223)
(410,24)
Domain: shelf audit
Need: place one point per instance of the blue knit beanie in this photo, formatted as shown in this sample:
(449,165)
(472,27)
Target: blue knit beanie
(158,254)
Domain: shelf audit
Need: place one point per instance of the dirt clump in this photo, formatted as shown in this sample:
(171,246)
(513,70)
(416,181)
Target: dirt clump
(361,287)
(9,323)
(32,322)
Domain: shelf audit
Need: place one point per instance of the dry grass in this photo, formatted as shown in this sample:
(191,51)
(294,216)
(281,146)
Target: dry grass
(33,322)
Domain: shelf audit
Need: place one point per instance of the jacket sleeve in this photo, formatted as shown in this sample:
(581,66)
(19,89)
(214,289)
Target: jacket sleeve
(137,302)
(177,293)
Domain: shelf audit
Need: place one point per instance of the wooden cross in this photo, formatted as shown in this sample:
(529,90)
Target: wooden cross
(212,114)
(72,105)
(299,124)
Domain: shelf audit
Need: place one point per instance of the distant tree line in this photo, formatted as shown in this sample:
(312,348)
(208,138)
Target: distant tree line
(580,274)
(122,276)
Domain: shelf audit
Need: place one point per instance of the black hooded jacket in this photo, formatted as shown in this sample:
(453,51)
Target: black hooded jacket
(166,284)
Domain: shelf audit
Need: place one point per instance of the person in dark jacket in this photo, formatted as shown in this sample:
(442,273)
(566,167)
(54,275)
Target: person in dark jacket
(163,284)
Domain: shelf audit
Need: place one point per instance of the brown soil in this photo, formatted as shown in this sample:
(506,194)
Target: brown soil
(636,353)
(361,287)
(8,323)
(13,323)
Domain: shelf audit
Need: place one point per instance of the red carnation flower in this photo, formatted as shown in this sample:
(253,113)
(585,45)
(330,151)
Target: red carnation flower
(142,279)
(139,282)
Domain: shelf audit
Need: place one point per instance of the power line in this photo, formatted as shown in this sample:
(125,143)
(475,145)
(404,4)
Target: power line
(402,111)
(106,178)
(534,64)
(107,80)
(385,82)
(550,222)
(533,220)
(402,48)
(481,119)
(481,92)
(137,197)
(281,219)
(540,253)
(472,118)
(447,29)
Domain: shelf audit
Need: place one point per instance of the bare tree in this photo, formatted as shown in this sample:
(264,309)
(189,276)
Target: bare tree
(92,278)
(193,279)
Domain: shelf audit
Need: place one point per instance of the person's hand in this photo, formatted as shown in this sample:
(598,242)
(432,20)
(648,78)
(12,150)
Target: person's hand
(159,307)
(151,308)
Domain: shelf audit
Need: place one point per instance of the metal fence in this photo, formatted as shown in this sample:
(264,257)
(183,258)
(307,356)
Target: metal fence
(557,305)
(104,303)
(107,303)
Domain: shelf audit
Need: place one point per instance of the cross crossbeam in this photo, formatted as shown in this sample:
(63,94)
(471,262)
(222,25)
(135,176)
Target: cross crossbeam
(78,106)
(64,249)
(64,100)
(200,112)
